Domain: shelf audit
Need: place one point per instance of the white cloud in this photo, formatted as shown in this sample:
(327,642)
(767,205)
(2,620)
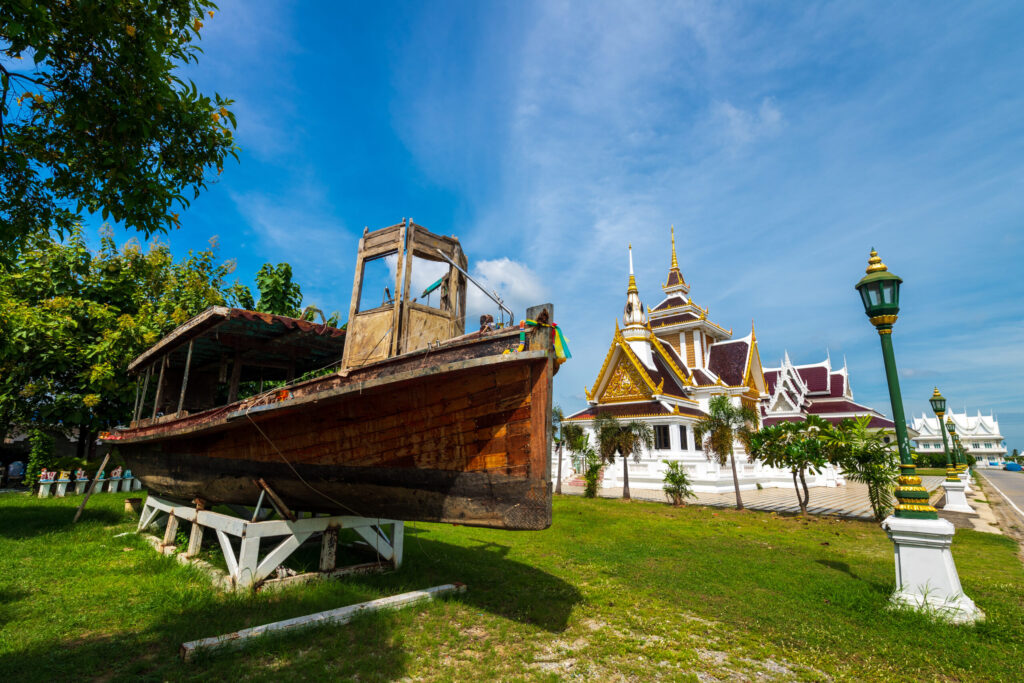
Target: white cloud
(514,282)
(741,127)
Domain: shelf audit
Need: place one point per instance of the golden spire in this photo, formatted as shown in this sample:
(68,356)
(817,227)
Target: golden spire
(675,264)
(875,264)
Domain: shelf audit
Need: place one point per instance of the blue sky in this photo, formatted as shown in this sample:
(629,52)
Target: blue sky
(783,142)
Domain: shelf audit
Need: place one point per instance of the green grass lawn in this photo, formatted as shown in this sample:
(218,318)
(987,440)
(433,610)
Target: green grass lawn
(931,471)
(635,591)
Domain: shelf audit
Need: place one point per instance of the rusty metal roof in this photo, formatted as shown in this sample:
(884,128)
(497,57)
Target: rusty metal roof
(261,339)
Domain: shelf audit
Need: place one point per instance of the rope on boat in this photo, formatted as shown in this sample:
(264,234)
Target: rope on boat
(292,467)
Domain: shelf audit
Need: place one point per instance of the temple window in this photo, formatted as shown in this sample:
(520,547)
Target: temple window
(684,444)
(661,438)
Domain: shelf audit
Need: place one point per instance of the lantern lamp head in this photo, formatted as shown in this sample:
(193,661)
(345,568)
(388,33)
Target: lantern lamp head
(938,403)
(951,427)
(880,293)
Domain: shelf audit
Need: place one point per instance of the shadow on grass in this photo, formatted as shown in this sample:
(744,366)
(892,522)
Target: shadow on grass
(27,521)
(845,568)
(369,648)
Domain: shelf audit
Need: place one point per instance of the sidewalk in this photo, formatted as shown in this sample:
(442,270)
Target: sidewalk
(849,500)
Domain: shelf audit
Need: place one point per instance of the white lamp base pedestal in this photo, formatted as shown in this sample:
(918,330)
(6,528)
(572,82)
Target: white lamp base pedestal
(926,578)
(956,498)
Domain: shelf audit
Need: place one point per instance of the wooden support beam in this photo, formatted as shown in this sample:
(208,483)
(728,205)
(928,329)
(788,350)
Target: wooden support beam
(236,374)
(342,615)
(276,500)
(159,387)
(142,399)
(329,549)
(184,377)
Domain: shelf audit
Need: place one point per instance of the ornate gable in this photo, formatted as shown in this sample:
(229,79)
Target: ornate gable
(625,384)
(623,369)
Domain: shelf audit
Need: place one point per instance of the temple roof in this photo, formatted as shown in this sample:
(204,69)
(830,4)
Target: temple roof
(729,360)
(876,422)
(967,426)
(814,389)
(672,301)
(634,409)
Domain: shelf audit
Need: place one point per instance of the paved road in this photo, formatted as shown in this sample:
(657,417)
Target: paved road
(1010,484)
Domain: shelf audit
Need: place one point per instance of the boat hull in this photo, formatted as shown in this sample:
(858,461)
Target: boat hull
(457,435)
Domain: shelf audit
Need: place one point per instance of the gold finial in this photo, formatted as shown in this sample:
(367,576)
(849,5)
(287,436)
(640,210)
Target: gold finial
(875,264)
(936,393)
(675,264)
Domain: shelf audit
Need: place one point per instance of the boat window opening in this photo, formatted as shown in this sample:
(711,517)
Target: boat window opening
(377,287)
(430,282)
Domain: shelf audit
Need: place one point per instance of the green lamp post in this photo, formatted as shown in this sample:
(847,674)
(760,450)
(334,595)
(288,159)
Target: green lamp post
(961,454)
(951,428)
(880,293)
(938,403)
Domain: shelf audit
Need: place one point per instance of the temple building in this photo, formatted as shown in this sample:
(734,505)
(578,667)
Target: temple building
(663,366)
(797,391)
(979,436)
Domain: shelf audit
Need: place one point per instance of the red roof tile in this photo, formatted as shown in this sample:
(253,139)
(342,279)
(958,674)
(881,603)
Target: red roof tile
(816,378)
(673,319)
(838,385)
(702,378)
(728,360)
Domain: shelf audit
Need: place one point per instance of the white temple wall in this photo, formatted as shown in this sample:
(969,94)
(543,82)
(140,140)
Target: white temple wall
(705,476)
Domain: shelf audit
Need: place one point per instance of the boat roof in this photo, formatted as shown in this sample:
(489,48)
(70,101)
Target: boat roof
(261,338)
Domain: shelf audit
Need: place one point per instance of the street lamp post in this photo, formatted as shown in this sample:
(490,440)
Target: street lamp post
(956,498)
(958,455)
(926,577)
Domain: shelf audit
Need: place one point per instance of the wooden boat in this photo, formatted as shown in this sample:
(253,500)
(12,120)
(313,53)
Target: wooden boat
(426,423)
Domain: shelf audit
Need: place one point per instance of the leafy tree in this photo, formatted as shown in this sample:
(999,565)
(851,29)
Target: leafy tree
(278,294)
(93,117)
(71,320)
(866,458)
(627,439)
(797,446)
(720,428)
(677,483)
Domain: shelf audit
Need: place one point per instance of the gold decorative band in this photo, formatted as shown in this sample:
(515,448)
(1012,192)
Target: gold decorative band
(910,481)
(900,489)
(887,330)
(915,508)
(883,319)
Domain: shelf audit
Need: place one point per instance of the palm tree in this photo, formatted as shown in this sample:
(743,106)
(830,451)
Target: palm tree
(719,429)
(866,458)
(557,416)
(626,439)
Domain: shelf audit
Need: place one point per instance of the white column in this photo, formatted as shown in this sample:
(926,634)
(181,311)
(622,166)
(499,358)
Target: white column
(926,577)
(956,500)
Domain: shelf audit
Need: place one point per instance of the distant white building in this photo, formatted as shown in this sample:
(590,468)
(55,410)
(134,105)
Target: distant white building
(979,436)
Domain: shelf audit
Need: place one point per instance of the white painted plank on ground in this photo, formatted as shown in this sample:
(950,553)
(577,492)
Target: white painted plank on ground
(342,615)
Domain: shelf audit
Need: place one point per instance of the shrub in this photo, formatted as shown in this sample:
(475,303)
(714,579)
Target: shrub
(677,483)
(592,463)
(40,455)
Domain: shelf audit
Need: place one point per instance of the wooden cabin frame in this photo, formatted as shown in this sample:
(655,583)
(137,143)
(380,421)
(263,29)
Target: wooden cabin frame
(403,324)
